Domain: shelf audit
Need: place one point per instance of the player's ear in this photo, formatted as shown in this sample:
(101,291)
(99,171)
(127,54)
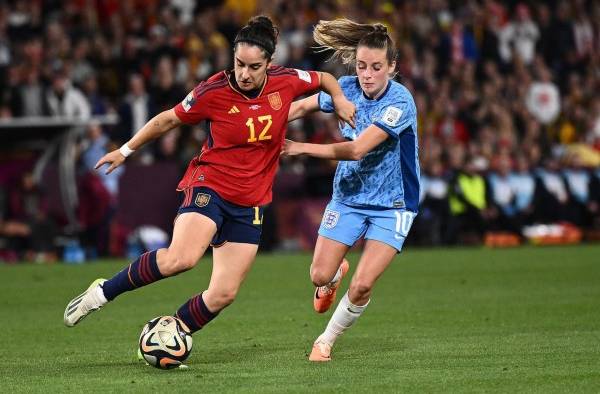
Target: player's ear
(392,67)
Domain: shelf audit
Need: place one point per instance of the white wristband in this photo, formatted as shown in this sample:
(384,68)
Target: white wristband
(125,150)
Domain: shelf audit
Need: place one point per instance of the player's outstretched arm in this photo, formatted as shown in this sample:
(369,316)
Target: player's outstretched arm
(344,108)
(351,150)
(301,108)
(154,128)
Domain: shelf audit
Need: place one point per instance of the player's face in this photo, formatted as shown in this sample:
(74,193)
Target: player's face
(373,70)
(250,66)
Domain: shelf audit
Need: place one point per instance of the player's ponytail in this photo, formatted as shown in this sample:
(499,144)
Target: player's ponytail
(345,36)
(261,32)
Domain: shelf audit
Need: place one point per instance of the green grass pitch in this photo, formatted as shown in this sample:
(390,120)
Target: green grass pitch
(447,320)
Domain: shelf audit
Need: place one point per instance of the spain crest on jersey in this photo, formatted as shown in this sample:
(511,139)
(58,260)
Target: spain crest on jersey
(275,100)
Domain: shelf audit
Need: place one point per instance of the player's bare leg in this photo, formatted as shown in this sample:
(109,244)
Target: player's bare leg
(375,259)
(192,234)
(327,270)
(231,263)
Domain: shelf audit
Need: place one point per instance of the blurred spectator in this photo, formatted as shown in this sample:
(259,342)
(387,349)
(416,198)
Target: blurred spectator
(27,224)
(29,98)
(63,99)
(137,109)
(522,183)
(519,36)
(504,198)
(552,199)
(165,91)
(97,102)
(469,208)
(432,220)
(578,181)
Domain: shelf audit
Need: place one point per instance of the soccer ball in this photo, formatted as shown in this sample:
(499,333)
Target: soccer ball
(165,342)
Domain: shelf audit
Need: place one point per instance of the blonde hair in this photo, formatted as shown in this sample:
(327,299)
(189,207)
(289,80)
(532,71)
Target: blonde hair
(344,36)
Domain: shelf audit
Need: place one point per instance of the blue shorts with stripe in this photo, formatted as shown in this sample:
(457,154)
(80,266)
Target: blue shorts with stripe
(235,223)
(347,224)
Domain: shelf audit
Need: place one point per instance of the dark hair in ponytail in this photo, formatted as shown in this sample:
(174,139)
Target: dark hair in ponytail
(261,32)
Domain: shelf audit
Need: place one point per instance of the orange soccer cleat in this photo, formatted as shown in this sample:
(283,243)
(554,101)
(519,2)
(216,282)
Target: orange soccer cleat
(325,295)
(321,351)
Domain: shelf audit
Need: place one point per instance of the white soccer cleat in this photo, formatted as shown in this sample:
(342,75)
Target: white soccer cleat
(81,306)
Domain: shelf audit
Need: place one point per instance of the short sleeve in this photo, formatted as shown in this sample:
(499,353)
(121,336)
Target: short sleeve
(395,118)
(304,82)
(193,108)
(325,102)
(346,83)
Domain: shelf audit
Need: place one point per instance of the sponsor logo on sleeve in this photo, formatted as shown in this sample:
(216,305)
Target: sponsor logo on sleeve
(303,75)
(391,116)
(188,101)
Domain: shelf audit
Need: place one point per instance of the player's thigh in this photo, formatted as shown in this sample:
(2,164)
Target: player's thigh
(327,258)
(231,263)
(376,257)
(192,234)
(340,228)
(343,223)
(389,226)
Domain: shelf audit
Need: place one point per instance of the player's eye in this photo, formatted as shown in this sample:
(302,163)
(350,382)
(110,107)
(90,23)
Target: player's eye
(255,67)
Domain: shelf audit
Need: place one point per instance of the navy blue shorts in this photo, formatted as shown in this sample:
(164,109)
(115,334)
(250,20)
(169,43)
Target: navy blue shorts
(235,223)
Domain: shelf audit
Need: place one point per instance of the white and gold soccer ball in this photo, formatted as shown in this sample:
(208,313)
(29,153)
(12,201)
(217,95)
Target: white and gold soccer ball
(165,342)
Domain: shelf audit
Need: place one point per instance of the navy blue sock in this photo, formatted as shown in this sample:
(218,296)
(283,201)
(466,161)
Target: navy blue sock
(195,314)
(140,273)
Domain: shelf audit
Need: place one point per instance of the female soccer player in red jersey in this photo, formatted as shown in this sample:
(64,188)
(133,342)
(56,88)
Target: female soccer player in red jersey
(227,185)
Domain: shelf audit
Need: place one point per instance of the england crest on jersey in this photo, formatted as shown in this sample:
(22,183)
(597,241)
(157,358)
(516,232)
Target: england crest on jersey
(330,218)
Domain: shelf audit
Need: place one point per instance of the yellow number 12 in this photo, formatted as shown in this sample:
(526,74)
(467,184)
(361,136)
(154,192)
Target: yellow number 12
(263,134)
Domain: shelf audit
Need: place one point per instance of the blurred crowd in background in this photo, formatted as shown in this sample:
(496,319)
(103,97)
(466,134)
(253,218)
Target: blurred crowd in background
(506,91)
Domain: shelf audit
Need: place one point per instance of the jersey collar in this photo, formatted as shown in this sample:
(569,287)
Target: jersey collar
(234,87)
(387,88)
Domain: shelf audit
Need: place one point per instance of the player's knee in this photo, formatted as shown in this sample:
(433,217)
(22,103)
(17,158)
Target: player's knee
(318,277)
(223,299)
(360,290)
(175,263)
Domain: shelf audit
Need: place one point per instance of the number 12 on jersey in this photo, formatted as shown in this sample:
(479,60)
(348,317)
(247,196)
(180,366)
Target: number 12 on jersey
(263,134)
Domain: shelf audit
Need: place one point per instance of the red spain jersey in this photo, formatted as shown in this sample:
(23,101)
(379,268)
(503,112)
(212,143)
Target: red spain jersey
(241,154)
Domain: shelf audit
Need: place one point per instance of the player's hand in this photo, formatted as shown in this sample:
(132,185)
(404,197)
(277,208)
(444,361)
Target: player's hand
(345,110)
(114,159)
(291,148)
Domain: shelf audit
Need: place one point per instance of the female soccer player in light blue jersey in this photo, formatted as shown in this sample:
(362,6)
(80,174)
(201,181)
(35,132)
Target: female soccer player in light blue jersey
(376,185)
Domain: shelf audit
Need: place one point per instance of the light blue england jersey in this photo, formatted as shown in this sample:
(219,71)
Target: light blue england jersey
(388,176)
